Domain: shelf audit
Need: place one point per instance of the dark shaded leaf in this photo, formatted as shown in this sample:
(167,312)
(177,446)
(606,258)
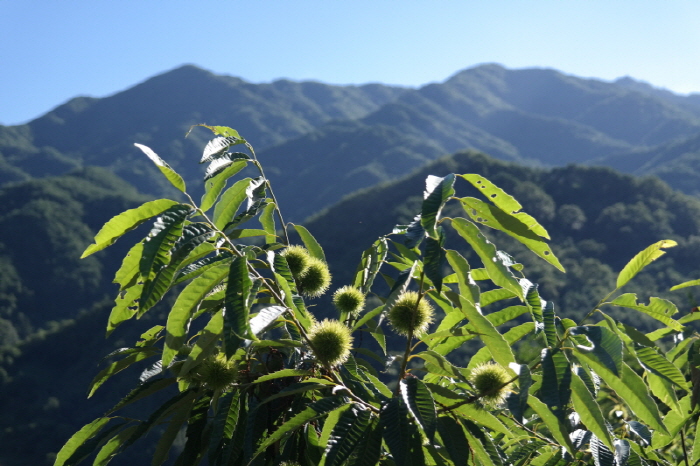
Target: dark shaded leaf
(413,232)
(236,322)
(437,192)
(157,247)
(400,435)
(368,451)
(346,435)
(217,147)
(454,439)
(601,454)
(641,430)
(482,444)
(606,346)
(550,329)
(141,391)
(420,404)
(434,258)
(517,402)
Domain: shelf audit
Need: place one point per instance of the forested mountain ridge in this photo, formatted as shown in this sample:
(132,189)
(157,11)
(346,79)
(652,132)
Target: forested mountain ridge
(160,111)
(598,220)
(534,116)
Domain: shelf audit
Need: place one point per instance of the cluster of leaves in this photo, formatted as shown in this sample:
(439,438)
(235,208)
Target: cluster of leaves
(255,379)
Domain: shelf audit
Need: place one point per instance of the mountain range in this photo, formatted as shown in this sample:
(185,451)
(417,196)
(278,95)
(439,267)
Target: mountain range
(351,137)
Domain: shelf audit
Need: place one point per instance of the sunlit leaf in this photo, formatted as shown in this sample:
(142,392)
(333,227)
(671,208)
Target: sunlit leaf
(657,362)
(505,202)
(118,366)
(79,438)
(467,286)
(310,242)
(685,285)
(659,309)
(642,259)
(231,200)
(125,222)
(498,272)
(630,387)
(372,259)
(497,344)
(216,181)
(111,448)
(224,131)
(172,176)
(494,217)
(184,307)
(553,422)
(589,411)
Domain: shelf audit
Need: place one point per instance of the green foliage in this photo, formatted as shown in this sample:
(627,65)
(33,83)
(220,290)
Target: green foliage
(252,378)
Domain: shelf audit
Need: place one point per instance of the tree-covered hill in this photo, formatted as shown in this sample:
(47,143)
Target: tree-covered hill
(598,220)
(45,226)
(676,162)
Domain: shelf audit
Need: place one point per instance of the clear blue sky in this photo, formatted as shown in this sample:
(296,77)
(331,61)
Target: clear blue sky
(53,50)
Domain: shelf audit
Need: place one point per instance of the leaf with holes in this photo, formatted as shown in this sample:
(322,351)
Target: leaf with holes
(498,272)
(496,218)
